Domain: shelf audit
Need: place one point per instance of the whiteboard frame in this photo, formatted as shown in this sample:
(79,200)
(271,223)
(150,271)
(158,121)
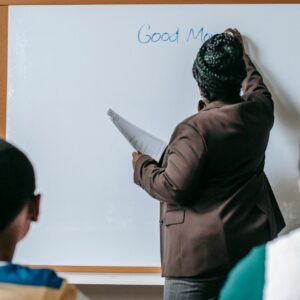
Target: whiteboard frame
(3,67)
(4,5)
(87,2)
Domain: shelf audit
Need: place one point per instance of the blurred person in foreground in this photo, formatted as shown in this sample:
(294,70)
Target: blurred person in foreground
(19,207)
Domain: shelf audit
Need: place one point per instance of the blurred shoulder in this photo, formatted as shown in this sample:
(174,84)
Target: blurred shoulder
(17,274)
(283,267)
(251,269)
(20,282)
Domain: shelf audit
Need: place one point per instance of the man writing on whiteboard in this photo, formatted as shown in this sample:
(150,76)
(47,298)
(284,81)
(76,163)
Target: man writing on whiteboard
(216,201)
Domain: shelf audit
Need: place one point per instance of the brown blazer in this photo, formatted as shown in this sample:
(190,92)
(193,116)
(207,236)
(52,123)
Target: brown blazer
(216,201)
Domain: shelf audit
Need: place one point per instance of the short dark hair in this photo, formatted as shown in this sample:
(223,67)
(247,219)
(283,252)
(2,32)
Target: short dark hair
(219,67)
(17,183)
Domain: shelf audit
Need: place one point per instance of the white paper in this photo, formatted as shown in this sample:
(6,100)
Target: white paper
(139,139)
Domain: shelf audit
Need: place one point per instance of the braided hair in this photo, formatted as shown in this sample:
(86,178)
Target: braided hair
(219,67)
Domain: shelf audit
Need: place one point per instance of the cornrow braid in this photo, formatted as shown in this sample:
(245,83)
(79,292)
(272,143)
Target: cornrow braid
(219,67)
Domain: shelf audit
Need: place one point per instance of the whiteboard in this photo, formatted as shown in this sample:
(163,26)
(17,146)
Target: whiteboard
(68,64)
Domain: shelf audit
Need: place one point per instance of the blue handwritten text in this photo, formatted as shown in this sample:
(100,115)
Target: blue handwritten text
(146,36)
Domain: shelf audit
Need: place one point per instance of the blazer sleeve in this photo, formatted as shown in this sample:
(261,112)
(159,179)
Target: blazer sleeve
(253,83)
(174,183)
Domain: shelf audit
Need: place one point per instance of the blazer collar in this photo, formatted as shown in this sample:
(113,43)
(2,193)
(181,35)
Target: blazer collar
(212,105)
(219,103)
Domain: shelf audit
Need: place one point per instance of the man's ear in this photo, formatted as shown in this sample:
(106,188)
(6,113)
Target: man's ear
(34,208)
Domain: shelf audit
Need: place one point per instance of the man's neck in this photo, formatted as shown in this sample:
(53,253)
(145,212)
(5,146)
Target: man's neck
(7,248)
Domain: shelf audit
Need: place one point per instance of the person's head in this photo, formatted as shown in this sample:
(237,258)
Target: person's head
(219,67)
(18,204)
